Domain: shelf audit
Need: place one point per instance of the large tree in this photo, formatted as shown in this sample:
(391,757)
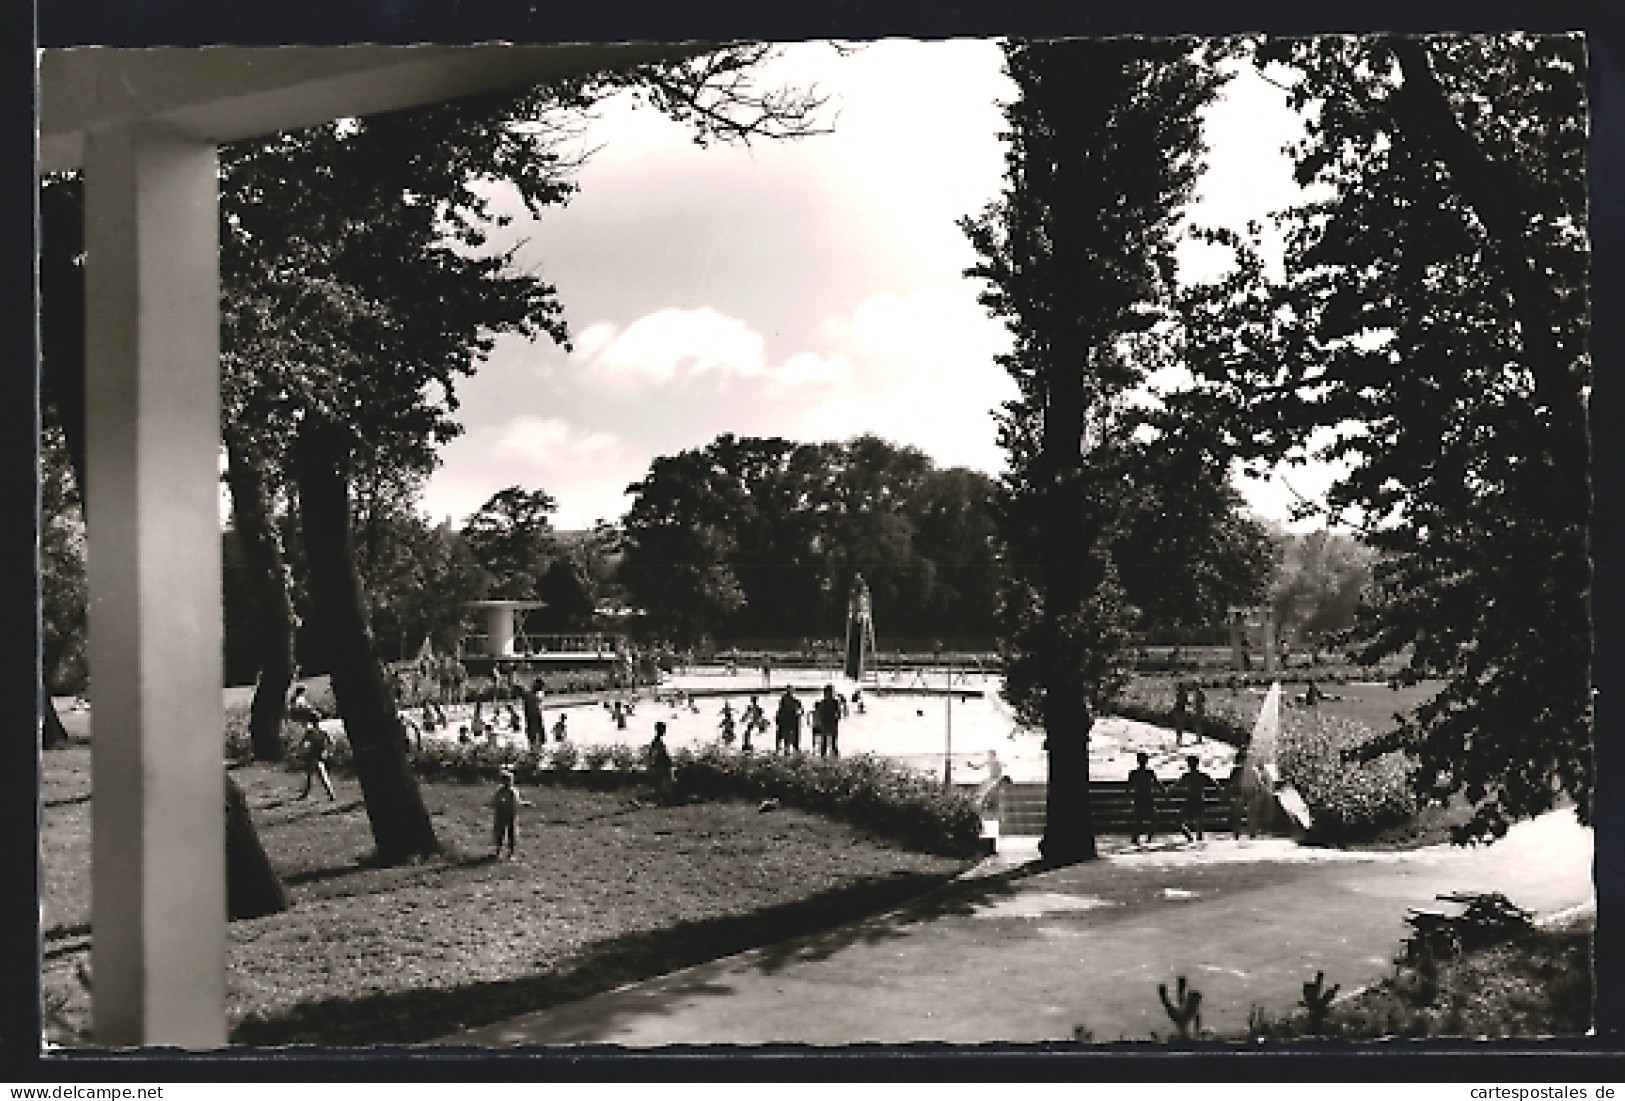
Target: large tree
(1103,148)
(1186,549)
(512,538)
(1432,321)
(762,538)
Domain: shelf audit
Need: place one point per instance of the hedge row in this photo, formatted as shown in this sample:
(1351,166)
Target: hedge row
(865,790)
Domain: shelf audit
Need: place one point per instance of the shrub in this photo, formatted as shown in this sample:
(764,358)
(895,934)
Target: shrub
(563,757)
(1350,799)
(625,758)
(864,790)
(595,757)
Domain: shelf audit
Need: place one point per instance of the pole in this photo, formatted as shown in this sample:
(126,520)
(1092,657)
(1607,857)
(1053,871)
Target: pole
(948,731)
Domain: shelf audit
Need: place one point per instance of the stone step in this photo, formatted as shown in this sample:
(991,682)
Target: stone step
(1021,807)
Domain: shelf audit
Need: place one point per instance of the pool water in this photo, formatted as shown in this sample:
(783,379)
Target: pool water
(905,718)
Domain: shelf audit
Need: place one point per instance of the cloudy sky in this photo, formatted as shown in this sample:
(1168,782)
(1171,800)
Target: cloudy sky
(809,289)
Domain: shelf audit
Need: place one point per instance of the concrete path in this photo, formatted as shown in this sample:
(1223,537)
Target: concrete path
(1011,955)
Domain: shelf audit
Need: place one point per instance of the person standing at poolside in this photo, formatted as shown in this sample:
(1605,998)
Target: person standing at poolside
(787,724)
(1198,713)
(827,720)
(1181,704)
(754,722)
(530,698)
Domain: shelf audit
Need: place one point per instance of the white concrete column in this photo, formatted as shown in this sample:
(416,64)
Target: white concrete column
(499,631)
(153,439)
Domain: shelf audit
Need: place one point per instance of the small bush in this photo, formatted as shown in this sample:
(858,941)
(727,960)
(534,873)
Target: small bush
(865,790)
(563,757)
(625,759)
(1350,799)
(595,757)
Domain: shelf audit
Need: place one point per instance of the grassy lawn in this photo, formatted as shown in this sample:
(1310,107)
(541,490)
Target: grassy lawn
(607,889)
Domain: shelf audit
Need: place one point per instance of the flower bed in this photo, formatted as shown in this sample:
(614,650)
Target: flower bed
(1350,799)
(866,791)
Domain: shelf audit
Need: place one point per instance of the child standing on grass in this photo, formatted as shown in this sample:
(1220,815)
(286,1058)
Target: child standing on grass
(755,722)
(505,806)
(316,746)
(659,759)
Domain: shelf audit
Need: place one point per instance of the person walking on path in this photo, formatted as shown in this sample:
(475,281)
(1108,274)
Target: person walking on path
(1198,713)
(505,806)
(1144,787)
(530,698)
(1192,785)
(787,724)
(560,731)
(317,744)
(1181,703)
(827,721)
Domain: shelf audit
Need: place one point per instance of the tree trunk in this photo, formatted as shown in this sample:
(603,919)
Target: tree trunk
(400,822)
(253,888)
(273,607)
(1069,829)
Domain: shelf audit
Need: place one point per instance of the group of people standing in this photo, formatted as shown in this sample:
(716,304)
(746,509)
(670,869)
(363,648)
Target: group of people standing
(1189,701)
(827,713)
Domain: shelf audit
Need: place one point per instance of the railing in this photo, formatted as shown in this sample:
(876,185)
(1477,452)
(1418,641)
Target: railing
(525,644)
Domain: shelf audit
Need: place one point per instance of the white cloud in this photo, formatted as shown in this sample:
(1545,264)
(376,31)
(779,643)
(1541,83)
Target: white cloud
(552,442)
(587,472)
(593,338)
(672,344)
(922,373)
(893,338)
(808,368)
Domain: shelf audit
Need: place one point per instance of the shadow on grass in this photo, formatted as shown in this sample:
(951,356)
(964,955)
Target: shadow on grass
(417,1016)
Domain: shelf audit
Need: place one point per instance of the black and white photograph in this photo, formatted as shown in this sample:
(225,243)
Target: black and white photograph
(1079,543)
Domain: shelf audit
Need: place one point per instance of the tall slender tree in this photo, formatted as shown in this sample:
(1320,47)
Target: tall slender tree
(1104,146)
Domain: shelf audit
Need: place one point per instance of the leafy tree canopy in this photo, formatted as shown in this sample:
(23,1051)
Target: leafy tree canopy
(1431,326)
